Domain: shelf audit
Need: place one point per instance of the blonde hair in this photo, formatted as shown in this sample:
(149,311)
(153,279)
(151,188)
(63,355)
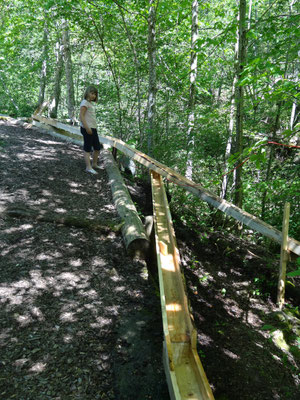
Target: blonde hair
(90,89)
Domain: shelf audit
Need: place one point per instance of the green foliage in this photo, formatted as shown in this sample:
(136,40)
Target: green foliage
(296,272)
(109,49)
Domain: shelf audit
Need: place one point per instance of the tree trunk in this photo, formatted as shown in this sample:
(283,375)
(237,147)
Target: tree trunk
(294,115)
(270,160)
(57,81)
(68,70)
(274,132)
(43,75)
(192,92)
(239,96)
(114,75)
(151,114)
(229,141)
(137,71)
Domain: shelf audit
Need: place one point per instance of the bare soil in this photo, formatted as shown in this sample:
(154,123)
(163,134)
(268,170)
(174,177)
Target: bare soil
(79,319)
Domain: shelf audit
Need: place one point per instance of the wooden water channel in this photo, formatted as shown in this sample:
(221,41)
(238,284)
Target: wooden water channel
(185,375)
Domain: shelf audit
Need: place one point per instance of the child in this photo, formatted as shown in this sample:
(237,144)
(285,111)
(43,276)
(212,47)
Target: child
(88,128)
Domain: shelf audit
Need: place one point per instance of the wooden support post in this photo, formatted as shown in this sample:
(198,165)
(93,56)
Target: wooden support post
(283,256)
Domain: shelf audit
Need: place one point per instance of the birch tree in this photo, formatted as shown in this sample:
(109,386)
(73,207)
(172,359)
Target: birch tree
(192,91)
(57,79)
(43,74)
(152,89)
(68,70)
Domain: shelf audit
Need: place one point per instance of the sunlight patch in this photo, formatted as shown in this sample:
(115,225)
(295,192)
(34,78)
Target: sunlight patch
(67,338)
(113,310)
(74,184)
(24,227)
(38,280)
(44,257)
(98,262)
(100,322)
(21,362)
(204,340)
(36,312)
(69,276)
(68,317)
(120,289)
(253,319)
(232,308)
(76,191)
(231,354)
(38,367)
(46,193)
(91,294)
(23,320)
(76,263)
(24,284)
(60,210)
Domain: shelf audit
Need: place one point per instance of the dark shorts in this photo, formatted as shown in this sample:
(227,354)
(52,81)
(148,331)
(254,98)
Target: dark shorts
(90,141)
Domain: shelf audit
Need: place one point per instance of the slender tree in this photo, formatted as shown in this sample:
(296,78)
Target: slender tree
(229,140)
(43,74)
(239,96)
(152,75)
(192,91)
(68,70)
(137,70)
(57,79)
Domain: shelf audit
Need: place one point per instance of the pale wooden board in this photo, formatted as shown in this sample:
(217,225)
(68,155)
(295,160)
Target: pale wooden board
(185,375)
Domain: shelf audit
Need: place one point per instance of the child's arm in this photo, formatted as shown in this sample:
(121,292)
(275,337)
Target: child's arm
(82,113)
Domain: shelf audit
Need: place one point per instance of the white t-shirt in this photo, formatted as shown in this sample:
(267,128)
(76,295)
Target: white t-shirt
(90,115)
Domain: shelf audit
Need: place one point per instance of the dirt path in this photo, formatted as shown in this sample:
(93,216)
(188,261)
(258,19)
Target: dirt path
(80,320)
(75,310)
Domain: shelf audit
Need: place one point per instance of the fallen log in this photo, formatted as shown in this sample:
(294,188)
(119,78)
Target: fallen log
(67,220)
(133,231)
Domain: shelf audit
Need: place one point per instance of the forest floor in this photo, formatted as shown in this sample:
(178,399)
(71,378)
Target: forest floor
(79,319)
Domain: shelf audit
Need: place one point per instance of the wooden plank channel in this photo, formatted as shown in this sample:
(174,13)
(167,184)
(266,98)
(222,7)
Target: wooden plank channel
(185,374)
(198,190)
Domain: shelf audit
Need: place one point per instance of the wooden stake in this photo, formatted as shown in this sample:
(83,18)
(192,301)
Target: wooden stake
(283,256)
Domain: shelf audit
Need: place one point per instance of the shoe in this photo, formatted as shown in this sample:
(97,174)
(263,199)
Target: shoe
(91,171)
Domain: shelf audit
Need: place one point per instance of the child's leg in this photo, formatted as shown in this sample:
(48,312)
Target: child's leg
(95,158)
(87,159)
(96,146)
(87,146)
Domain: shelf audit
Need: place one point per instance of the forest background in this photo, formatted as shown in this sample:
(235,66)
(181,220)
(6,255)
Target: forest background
(208,88)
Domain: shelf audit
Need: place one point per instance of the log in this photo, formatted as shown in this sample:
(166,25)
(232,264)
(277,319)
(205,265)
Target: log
(133,231)
(68,220)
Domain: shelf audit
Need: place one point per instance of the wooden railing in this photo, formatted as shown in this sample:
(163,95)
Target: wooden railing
(198,190)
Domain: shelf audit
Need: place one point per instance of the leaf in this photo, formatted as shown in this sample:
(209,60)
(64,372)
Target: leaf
(268,328)
(294,273)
